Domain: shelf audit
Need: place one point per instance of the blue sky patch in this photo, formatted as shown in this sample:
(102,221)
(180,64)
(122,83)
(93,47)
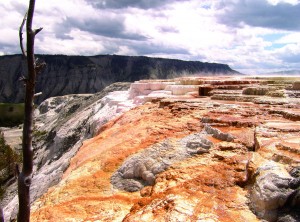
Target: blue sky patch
(275,46)
(273,37)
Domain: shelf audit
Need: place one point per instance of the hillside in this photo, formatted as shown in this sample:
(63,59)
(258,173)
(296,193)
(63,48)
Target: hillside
(185,149)
(89,74)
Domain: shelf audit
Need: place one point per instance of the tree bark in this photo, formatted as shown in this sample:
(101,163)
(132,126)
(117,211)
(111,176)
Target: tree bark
(24,178)
(1,215)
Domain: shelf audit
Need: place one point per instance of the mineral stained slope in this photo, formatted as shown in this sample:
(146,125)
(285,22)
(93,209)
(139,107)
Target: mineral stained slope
(182,156)
(86,185)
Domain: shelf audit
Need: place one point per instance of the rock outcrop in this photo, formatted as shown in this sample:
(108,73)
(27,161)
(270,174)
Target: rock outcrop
(61,125)
(140,170)
(272,189)
(162,151)
(65,75)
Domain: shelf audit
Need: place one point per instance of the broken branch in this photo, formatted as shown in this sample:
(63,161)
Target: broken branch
(21,35)
(36,31)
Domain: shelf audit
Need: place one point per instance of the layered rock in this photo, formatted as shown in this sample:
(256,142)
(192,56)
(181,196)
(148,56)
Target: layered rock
(165,155)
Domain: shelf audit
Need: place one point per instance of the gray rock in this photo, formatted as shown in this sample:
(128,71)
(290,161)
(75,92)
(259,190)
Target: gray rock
(197,144)
(295,172)
(272,192)
(145,165)
(218,134)
(294,183)
(295,199)
(290,212)
(289,218)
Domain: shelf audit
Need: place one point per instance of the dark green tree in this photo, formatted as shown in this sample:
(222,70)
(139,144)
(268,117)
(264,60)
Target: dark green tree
(8,160)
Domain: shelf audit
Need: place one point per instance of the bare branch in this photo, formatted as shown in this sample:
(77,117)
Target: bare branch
(39,67)
(37,94)
(36,31)
(21,35)
(23,78)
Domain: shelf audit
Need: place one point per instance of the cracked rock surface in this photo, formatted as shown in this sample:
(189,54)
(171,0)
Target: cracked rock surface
(222,157)
(181,156)
(140,169)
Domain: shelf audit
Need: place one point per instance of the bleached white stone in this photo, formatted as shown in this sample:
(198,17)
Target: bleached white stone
(146,88)
(139,87)
(156,86)
(116,97)
(139,100)
(159,94)
(112,106)
(182,89)
(159,85)
(137,92)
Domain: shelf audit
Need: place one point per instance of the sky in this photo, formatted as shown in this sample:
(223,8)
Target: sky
(251,36)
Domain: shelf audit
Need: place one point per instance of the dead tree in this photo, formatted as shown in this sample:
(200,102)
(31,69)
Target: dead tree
(1,215)
(33,66)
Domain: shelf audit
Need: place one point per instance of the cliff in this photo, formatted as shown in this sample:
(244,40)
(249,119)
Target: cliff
(184,149)
(89,74)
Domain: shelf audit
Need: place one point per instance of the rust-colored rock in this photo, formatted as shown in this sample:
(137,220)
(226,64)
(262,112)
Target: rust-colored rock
(228,147)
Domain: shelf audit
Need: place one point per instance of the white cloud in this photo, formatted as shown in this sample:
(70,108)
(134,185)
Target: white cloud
(289,38)
(232,32)
(83,44)
(292,2)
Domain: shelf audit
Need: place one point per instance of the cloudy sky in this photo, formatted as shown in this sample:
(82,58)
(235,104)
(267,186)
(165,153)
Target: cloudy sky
(252,36)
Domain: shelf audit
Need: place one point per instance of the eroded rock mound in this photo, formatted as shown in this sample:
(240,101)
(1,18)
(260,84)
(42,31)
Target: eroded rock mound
(140,169)
(271,190)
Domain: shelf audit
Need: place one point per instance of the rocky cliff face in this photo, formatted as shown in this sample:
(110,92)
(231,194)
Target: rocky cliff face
(89,74)
(185,149)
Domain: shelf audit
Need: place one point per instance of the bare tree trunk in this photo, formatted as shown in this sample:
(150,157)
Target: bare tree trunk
(24,178)
(1,215)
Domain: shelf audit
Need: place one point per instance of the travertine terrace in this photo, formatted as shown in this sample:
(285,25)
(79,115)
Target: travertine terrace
(187,149)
